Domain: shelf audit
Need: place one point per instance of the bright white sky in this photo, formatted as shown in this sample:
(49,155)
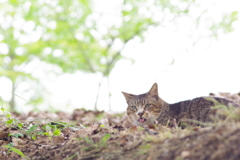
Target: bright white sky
(197,71)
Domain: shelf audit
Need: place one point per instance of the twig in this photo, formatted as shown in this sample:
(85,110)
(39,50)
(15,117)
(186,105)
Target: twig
(1,102)
(34,106)
(55,121)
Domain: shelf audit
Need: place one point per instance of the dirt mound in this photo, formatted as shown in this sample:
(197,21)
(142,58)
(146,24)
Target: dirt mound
(99,135)
(220,142)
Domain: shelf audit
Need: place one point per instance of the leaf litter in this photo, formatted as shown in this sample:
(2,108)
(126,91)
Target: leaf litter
(99,135)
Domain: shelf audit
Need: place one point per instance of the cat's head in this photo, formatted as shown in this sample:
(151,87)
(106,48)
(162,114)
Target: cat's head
(144,109)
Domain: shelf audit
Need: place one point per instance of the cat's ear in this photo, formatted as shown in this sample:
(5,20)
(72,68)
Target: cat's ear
(154,90)
(127,96)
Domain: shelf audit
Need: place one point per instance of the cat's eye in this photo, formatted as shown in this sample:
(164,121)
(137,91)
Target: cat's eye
(134,107)
(147,105)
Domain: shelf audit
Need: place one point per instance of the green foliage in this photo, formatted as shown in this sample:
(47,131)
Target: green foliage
(17,135)
(33,131)
(226,24)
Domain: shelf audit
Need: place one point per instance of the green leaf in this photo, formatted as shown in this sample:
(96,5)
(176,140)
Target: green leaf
(47,127)
(15,150)
(40,133)
(105,138)
(102,125)
(34,137)
(33,128)
(88,140)
(20,125)
(10,144)
(140,128)
(17,135)
(46,133)
(9,121)
(8,115)
(56,132)
(13,1)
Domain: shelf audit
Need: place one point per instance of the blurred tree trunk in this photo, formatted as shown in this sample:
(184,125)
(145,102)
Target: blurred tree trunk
(12,102)
(99,87)
(109,96)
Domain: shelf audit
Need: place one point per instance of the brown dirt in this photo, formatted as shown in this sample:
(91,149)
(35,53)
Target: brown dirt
(104,137)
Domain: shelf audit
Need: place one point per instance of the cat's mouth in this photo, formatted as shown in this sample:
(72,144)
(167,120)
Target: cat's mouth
(141,120)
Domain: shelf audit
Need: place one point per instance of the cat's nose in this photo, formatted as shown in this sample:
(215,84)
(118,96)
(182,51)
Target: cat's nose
(140,113)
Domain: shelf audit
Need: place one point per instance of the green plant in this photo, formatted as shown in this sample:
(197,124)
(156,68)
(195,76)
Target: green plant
(104,139)
(33,130)
(13,149)
(100,144)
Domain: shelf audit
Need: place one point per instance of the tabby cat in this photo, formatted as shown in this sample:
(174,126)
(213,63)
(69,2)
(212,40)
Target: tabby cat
(145,109)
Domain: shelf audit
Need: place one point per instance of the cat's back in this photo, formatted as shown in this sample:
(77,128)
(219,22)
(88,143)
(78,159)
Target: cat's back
(198,108)
(200,103)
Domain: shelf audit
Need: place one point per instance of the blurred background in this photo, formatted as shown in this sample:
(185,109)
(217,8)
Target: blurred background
(62,55)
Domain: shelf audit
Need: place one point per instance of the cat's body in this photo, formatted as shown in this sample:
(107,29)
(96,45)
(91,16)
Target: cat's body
(147,108)
(193,111)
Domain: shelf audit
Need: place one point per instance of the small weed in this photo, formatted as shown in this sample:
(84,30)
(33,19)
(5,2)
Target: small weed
(102,125)
(179,158)
(147,146)
(98,145)
(144,148)
(17,135)
(100,116)
(89,141)
(72,156)
(105,138)
(140,128)
(13,149)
